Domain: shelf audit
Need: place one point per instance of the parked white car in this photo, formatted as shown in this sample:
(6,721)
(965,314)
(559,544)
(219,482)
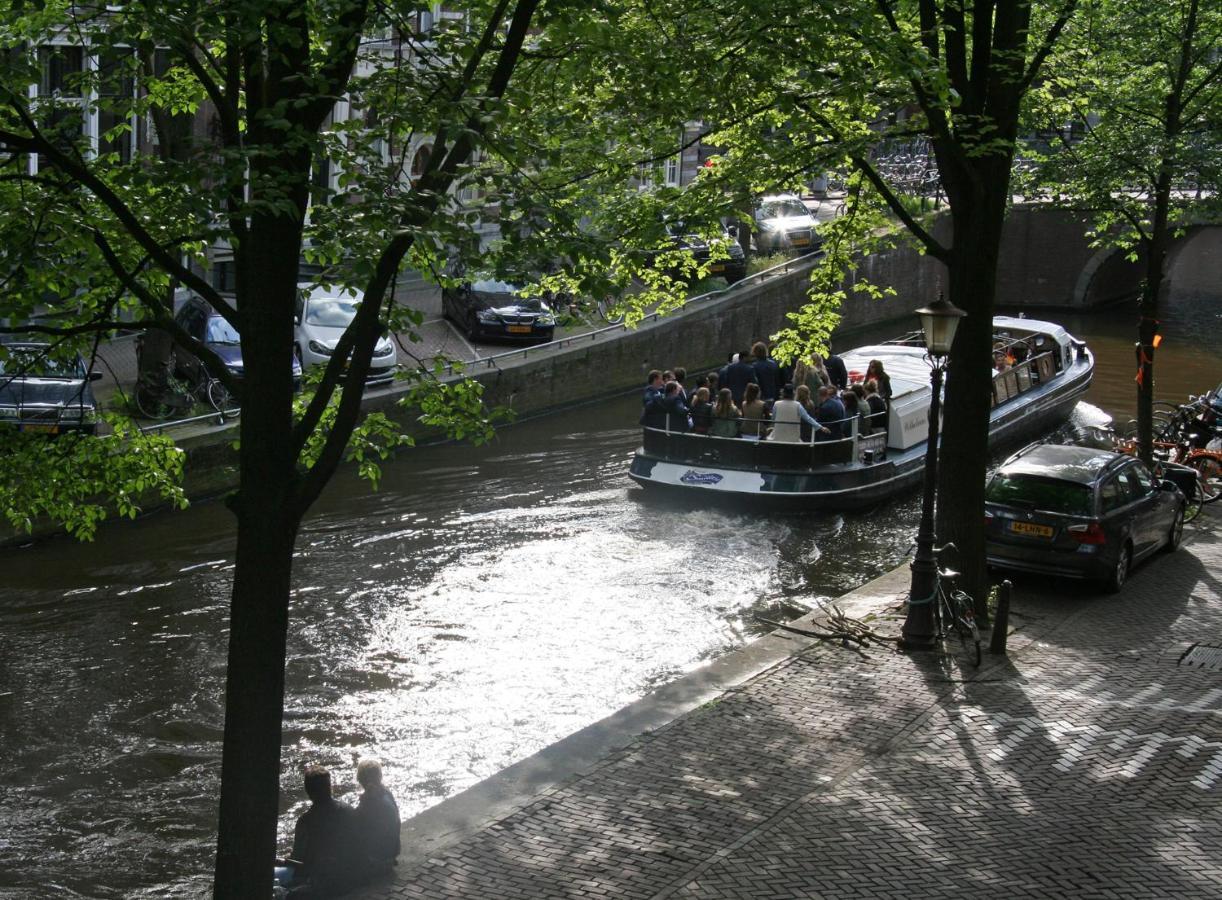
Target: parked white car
(782,222)
(323,312)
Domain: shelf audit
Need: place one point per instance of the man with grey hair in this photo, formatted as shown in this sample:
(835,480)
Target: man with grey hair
(377,817)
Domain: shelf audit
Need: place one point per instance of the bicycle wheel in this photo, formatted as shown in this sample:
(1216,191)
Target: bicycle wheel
(220,398)
(965,625)
(1209,476)
(150,404)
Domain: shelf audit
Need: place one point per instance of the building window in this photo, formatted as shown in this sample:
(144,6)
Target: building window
(61,108)
(672,172)
(116,102)
(420,162)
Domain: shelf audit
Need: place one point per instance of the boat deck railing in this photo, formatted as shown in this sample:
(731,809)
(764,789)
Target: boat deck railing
(756,452)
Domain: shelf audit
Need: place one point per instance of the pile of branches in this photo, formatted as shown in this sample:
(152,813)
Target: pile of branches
(852,634)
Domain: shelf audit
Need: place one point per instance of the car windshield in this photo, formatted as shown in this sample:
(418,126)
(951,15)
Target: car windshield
(493,286)
(34,363)
(331,312)
(779,209)
(1047,494)
(221,332)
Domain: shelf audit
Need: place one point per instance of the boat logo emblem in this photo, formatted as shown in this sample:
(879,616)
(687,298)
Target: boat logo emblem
(691,476)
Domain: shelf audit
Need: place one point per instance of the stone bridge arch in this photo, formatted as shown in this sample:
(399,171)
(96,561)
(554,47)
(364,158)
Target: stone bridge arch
(1109,275)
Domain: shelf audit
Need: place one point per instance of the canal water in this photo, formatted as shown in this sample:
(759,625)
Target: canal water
(481,605)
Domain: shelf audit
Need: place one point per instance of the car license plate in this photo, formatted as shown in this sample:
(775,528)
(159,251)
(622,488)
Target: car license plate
(518,329)
(717,268)
(1031,528)
(800,241)
(42,429)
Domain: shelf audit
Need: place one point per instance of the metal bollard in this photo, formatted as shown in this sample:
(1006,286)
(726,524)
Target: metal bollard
(1001,621)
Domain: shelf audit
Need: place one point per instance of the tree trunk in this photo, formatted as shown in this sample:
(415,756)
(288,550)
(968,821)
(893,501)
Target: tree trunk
(979,206)
(268,518)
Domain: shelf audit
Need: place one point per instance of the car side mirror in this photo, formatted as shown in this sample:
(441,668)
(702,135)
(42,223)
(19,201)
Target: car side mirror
(1168,486)
(95,376)
(296,320)
(732,230)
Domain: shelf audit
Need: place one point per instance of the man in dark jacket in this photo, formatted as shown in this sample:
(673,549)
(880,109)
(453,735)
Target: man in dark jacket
(674,411)
(738,375)
(325,857)
(767,372)
(836,369)
(830,414)
(652,414)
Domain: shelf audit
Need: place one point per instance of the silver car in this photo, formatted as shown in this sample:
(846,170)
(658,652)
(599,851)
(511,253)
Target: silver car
(782,222)
(323,313)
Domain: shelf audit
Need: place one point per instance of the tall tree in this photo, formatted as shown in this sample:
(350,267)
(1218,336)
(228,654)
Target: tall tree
(1133,98)
(266,76)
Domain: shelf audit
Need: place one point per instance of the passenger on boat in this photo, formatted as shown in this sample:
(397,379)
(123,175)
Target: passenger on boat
(787,418)
(714,384)
(803,396)
(725,416)
(876,373)
(877,405)
(854,409)
(702,412)
(830,414)
(810,373)
(326,853)
(837,374)
(681,376)
(377,818)
(755,412)
(674,410)
(767,372)
(738,375)
(652,414)
(999,362)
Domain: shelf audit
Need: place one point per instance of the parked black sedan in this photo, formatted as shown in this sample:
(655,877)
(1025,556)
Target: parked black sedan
(212,330)
(1077,512)
(733,268)
(42,392)
(488,308)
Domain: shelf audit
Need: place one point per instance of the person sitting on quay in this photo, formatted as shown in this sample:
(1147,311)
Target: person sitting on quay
(755,413)
(830,414)
(725,416)
(737,376)
(326,859)
(767,372)
(702,412)
(788,416)
(377,818)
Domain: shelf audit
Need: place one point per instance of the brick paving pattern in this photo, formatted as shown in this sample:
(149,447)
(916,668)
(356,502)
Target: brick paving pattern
(1086,764)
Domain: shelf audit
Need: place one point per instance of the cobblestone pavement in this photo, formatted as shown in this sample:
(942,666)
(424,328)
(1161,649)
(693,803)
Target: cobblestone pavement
(1087,763)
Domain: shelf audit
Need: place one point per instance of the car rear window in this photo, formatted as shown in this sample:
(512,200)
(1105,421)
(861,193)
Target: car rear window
(1047,494)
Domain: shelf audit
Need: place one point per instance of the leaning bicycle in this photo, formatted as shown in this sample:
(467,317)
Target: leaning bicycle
(177,398)
(954,609)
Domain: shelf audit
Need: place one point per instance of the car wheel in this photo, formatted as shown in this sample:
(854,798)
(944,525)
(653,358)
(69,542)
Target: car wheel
(1177,531)
(1120,574)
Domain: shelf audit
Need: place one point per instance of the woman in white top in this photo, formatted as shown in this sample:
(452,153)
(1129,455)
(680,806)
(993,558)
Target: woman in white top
(787,418)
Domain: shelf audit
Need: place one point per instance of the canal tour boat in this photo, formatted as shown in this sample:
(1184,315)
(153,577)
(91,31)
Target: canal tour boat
(1052,370)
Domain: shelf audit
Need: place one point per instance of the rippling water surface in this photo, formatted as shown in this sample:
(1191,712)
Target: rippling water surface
(484,603)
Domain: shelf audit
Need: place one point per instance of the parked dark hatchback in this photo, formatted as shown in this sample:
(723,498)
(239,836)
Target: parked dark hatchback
(43,393)
(733,269)
(1077,512)
(210,328)
(488,308)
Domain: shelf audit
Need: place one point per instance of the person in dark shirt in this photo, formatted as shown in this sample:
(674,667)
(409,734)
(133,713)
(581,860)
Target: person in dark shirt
(652,414)
(831,415)
(878,406)
(702,412)
(674,411)
(377,818)
(767,372)
(737,376)
(325,855)
(836,369)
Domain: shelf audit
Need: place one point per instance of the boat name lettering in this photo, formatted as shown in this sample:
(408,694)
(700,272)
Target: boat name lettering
(691,476)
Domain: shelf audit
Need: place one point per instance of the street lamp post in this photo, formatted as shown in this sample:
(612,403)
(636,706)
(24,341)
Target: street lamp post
(939,321)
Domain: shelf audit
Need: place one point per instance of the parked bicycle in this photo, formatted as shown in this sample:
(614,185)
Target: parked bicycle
(177,398)
(954,609)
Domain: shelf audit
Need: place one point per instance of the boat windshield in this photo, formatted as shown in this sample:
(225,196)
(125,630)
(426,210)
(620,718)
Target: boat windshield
(1045,494)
